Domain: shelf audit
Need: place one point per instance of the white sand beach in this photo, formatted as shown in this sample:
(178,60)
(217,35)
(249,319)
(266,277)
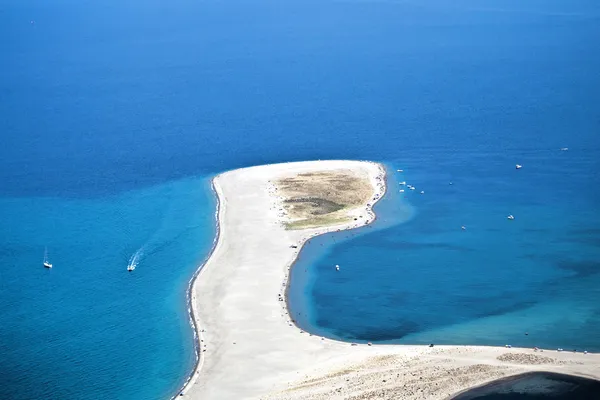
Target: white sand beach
(250,350)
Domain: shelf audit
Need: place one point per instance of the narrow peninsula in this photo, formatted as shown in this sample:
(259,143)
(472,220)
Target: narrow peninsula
(250,348)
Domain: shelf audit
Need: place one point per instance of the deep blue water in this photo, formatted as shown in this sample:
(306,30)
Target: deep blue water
(114,114)
(533,386)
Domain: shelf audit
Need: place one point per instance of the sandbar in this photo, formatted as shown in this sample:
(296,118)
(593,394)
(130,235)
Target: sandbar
(250,349)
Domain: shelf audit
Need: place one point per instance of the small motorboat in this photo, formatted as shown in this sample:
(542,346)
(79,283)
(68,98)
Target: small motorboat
(402,183)
(46,262)
(519,166)
(400,170)
(464,228)
(337,267)
(511,217)
(401,190)
(422,192)
(564,148)
(412,188)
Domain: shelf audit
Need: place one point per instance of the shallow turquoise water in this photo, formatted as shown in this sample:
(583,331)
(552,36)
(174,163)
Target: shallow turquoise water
(107,328)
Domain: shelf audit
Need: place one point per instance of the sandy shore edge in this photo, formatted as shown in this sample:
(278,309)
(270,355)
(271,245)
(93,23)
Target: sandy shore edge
(191,298)
(191,303)
(232,362)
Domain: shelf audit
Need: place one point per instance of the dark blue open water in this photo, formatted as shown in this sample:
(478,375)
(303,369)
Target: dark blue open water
(536,386)
(115,114)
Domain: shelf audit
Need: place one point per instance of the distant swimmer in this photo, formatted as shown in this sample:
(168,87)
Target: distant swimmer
(519,166)
(451,183)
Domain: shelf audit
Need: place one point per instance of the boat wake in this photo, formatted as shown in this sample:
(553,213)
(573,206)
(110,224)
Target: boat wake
(135,259)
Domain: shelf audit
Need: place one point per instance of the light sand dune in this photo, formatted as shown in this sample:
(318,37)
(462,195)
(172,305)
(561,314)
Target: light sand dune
(249,348)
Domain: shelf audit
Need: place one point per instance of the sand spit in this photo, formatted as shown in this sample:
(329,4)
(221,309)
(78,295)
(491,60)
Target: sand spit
(251,350)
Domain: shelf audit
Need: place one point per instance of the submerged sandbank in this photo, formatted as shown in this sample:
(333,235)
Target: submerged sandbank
(251,349)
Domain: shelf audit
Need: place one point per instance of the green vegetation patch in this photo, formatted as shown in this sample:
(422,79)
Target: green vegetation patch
(314,205)
(318,199)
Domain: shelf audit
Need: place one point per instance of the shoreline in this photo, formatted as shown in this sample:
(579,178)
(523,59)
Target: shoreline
(328,350)
(191,304)
(190,298)
(372,218)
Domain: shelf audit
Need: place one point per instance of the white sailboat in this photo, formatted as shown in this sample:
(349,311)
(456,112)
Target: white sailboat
(46,262)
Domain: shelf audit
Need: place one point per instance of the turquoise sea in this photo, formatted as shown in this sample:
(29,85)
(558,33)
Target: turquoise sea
(115,115)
